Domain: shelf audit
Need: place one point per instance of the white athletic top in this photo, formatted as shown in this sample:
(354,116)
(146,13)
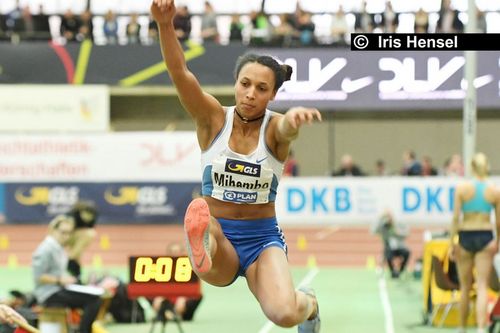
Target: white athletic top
(234,177)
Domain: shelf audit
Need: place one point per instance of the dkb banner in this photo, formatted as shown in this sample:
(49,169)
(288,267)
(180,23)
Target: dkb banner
(116,202)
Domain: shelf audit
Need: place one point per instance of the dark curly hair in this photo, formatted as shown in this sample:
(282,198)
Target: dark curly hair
(282,73)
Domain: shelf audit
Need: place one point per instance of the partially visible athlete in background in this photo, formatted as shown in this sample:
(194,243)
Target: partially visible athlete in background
(474,243)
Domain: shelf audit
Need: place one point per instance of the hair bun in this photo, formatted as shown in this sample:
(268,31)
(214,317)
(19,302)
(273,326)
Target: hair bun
(287,70)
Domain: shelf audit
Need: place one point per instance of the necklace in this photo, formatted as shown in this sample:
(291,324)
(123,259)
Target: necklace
(245,120)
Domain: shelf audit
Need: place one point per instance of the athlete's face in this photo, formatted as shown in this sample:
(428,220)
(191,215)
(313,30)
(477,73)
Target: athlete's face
(254,89)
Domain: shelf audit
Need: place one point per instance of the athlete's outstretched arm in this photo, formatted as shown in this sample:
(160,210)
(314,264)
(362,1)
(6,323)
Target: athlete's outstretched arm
(203,107)
(497,212)
(288,125)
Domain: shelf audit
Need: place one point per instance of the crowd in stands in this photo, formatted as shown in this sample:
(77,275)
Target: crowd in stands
(300,28)
(412,166)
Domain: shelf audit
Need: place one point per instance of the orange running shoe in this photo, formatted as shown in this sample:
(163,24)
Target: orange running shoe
(196,228)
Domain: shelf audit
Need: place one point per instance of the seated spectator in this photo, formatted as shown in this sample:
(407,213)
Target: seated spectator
(70,25)
(133,30)
(380,169)
(236,29)
(49,264)
(427,167)
(209,31)
(454,166)
(291,168)
(180,307)
(348,168)
(393,237)
(421,24)
(339,28)
(411,167)
(182,23)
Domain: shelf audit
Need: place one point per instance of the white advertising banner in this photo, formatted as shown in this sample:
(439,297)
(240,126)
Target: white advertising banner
(49,108)
(351,200)
(122,157)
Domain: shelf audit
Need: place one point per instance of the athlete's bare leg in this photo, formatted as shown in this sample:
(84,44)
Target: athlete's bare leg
(270,281)
(220,265)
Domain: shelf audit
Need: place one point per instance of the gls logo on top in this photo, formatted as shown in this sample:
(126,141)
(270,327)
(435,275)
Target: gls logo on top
(242,168)
(149,200)
(58,199)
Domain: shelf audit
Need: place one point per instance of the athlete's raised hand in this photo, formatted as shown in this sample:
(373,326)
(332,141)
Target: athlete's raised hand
(163,11)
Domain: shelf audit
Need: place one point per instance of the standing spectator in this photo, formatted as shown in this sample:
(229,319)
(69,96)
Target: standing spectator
(411,167)
(14,21)
(182,23)
(390,19)
(152,31)
(291,168)
(393,237)
(209,31)
(86,30)
(427,167)
(49,265)
(236,29)
(306,29)
(84,214)
(133,30)
(364,20)
(110,28)
(41,24)
(480,21)
(285,32)
(421,24)
(28,26)
(261,28)
(448,21)
(348,168)
(339,28)
(69,26)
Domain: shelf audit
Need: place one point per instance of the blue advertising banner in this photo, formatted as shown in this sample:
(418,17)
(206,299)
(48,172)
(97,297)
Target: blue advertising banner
(116,202)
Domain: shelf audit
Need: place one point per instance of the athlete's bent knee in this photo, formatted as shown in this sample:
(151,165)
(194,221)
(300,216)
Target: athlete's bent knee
(284,317)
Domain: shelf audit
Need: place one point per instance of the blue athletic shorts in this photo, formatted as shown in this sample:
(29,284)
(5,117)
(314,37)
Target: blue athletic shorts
(251,237)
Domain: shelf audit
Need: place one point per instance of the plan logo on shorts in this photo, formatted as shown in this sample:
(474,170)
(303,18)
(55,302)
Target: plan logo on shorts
(235,196)
(242,168)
